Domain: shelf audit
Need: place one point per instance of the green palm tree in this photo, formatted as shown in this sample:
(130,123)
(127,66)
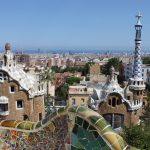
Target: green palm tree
(47,76)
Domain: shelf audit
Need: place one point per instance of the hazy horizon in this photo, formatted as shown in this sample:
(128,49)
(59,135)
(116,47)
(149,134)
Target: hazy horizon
(72,25)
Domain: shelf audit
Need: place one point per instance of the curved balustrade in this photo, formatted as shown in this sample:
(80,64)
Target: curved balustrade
(53,131)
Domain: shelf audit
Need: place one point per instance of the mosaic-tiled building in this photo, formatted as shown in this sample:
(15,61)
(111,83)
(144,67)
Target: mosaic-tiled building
(75,128)
(122,106)
(21,96)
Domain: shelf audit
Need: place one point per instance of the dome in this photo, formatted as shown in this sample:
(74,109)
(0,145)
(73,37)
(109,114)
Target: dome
(7,46)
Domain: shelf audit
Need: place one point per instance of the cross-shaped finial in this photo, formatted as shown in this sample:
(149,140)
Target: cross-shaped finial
(138,18)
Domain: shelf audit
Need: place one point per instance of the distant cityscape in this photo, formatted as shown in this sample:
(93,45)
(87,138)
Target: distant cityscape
(82,52)
(63,100)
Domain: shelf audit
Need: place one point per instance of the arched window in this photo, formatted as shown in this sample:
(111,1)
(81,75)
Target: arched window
(114,102)
(3,76)
(118,102)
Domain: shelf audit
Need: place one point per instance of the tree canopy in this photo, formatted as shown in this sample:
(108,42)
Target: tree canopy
(112,62)
(84,70)
(62,91)
(72,80)
(47,76)
(146,60)
(136,136)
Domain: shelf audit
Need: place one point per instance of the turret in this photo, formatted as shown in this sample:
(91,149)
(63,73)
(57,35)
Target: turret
(136,83)
(8,58)
(7,47)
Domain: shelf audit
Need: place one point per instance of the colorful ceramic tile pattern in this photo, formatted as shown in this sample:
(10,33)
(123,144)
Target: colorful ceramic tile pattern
(89,131)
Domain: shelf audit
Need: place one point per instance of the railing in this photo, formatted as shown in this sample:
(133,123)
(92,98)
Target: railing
(135,105)
(137,87)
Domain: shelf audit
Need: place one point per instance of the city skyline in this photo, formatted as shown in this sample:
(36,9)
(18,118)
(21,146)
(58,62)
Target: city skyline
(72,25)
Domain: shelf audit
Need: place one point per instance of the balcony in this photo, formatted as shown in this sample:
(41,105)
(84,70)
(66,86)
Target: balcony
(135,104)
(137,87)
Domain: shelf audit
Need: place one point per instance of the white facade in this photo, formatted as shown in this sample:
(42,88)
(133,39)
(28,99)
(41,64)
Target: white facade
(26,81)
(102,92)
(128,71)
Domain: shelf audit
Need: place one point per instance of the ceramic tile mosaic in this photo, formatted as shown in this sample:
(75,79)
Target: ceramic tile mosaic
(76,128)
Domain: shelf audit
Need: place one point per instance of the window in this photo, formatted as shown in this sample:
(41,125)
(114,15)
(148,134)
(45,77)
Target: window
(128,97)
(42,86)
(108,118)
(40,116)
(114,102)
(85,89)
(134,102)
(39,88)
(116,120)
(3,76)
(19,104)
(3,107)
(118,102)
(12,89)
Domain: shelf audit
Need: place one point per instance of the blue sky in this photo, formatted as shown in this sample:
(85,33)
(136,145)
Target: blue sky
(72,24)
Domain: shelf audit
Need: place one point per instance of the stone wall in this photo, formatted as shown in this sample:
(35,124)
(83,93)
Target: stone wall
(130,117)
(78,99)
